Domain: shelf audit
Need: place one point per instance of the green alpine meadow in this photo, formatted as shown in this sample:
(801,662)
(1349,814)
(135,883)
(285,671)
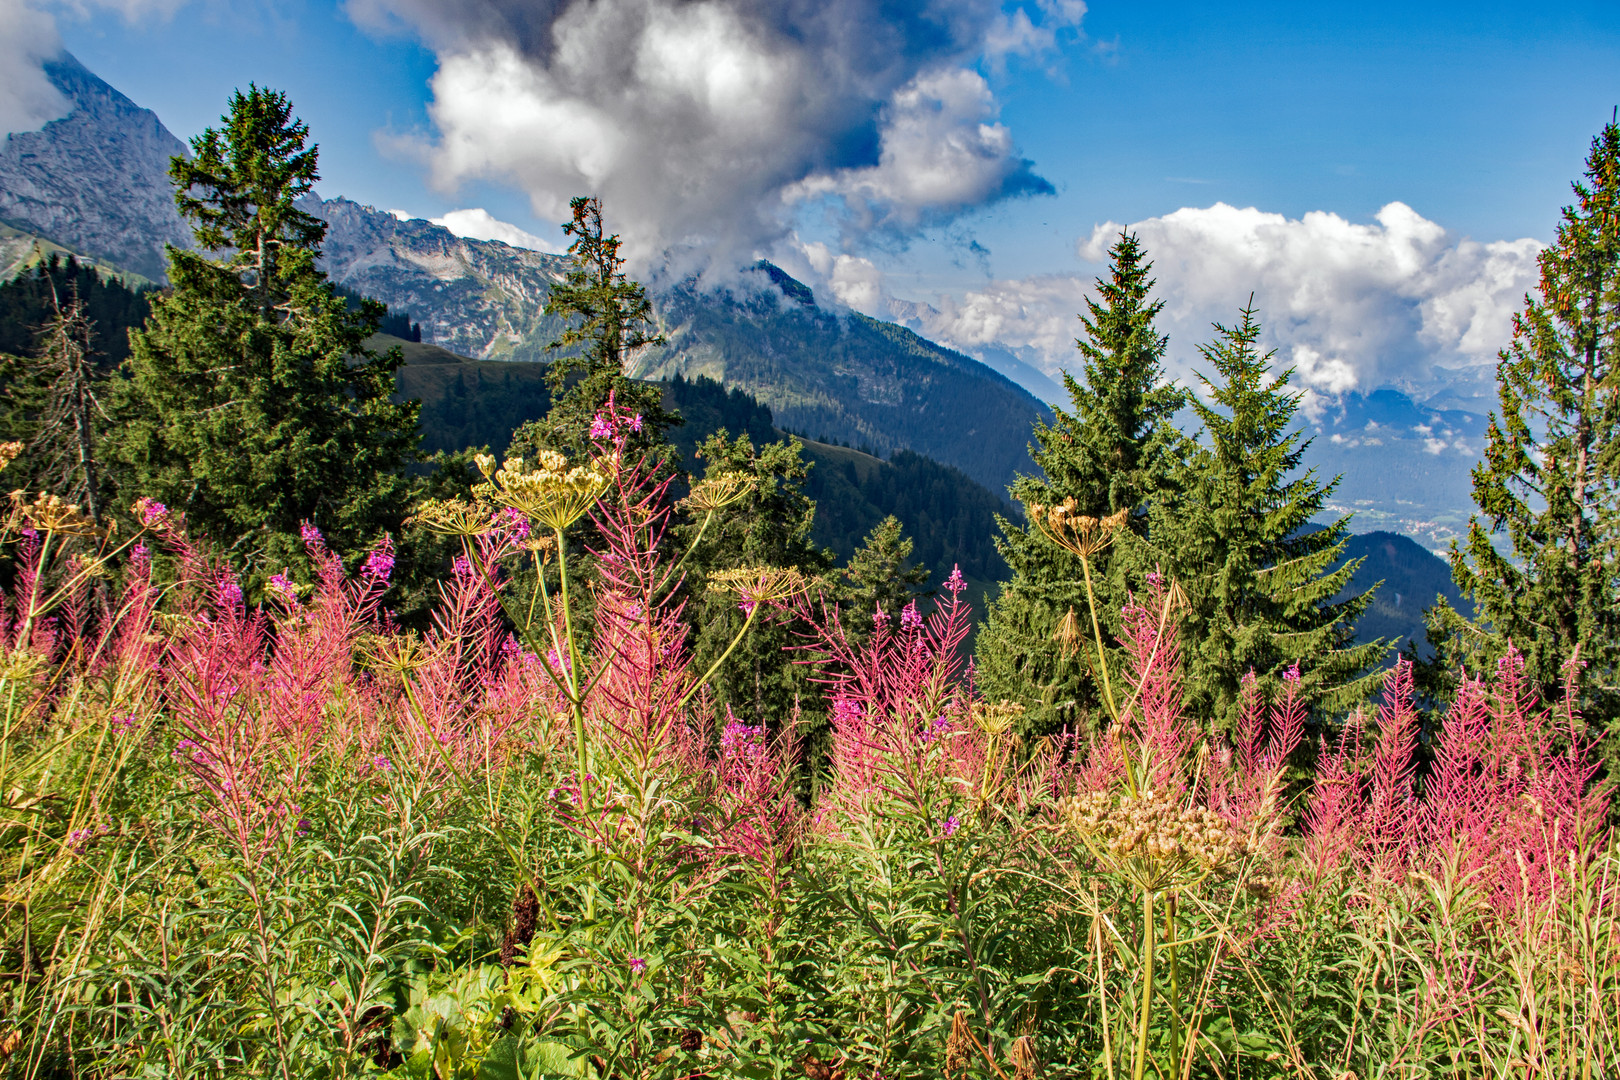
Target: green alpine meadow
(667,642)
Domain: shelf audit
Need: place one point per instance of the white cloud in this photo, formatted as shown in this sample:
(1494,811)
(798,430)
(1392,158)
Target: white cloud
(1034,318)
(853,281)
(480,224)
(940,155)
(27,39)
(1351,305)
(694,120)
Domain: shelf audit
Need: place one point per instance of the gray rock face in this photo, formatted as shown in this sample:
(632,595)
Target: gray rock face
(97,179)
(480,298)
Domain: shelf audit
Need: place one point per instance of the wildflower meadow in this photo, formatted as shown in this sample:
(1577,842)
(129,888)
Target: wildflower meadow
(295,839)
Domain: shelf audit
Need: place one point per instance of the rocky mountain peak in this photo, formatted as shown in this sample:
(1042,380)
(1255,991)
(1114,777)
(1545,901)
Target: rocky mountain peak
(96,180)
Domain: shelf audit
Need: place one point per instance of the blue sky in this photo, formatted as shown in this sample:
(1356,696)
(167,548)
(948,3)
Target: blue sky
(1474,116)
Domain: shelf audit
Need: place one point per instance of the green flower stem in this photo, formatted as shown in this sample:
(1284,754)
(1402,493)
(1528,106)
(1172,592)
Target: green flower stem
(714,667)
(1102,990)
(1175,983)
(696,540)
(1096,632)
(1146,1014)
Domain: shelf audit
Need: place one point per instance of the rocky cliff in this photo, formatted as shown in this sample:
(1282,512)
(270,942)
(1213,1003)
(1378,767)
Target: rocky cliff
(95,181)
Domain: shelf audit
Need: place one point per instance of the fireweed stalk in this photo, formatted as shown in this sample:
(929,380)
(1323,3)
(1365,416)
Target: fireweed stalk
(631,510)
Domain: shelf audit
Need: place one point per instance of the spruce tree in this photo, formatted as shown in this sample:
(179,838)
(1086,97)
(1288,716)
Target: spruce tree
(880,577)
(1115,450)
(609,320)
(1549,483)
(1238,538)
(51,404)
(251,403)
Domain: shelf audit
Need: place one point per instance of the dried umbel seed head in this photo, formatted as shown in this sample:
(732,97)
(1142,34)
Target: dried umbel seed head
(997,718)
(760,584)
(52,514)
(451,517)
(20,665)
(552,494)
(9,452)
(1022,1058)
(394,654)
(958,1047)
(1151,836)
(1069,636)
(1065,526)
(715,492)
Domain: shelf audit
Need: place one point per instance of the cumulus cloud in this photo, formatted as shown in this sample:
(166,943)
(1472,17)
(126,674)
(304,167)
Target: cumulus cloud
(1350,305)
(852,281)
(939,155)
(479,224)
(705,122)
(27,39)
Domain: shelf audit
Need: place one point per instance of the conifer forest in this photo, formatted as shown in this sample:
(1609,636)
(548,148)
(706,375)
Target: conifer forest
(346,735)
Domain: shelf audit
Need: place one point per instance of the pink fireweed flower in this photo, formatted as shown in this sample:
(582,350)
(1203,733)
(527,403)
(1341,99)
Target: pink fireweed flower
(228,595)
(746,607)
(637,965)
(513,521)
(379,564)
(153,514)
(880,619)
(140,555)
(635,423)
(310,534)
(601,428)
(909,619)
(1292,674)
(124,722)
(462,567)
(954,584)
(281,586)
(950,826)
(737,734)
(382,764)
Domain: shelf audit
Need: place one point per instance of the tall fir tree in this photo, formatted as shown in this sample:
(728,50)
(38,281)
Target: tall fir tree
(50,402)
(1549,483)
(252,403)
(1115,450)
(609,320)
(1238,537)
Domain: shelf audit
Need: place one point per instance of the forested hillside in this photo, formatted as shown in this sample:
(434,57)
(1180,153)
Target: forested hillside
(949,516)
(26,304)
(1412,577)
